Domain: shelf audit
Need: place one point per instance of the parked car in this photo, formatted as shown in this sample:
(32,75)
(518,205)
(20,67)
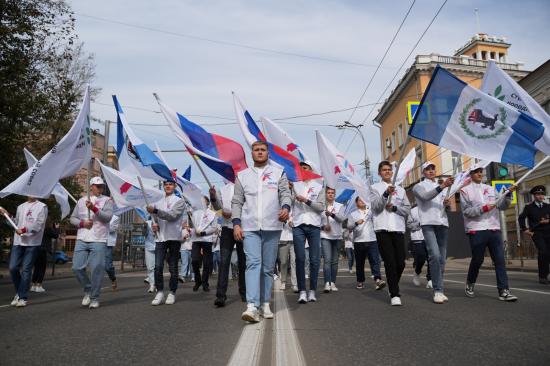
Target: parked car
(60,257)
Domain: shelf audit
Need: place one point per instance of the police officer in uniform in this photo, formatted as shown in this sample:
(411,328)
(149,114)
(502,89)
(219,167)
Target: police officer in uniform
(537,214)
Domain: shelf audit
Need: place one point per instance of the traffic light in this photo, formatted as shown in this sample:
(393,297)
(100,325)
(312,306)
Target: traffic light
(502,171)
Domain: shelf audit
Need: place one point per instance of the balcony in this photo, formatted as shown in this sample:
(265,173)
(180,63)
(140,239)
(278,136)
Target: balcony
(464,61)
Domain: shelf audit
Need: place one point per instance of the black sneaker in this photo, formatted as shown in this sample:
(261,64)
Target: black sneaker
(196,286)
(543,281)
(469,290)
(220,302)
(379,284)
(206,287)
(506,295)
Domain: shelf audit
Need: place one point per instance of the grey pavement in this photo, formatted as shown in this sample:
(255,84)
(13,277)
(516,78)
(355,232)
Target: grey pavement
(350,327)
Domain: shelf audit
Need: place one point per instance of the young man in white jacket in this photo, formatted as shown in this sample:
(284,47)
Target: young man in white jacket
(260,204)
(168,214)
(432,205)
(30,220)
(480,204)
(390,206)
(92,218)
(331,237)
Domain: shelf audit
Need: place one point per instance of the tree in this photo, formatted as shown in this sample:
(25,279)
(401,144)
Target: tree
(43,73)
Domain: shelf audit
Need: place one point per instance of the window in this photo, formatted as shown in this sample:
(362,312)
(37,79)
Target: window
(393,142)
(484,55)
(400,134)
(457,162)
(387,148)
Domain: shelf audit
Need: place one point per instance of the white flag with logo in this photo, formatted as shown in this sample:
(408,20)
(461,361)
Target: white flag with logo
(338,172)
(126,191)
(59,192)
(277,136)
(407,165)
(70,154)
(501,86)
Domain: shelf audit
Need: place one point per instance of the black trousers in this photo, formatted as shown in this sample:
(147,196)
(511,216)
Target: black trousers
(542,242)
(198,258)
(420,254)
(392,249)
(40,265)
(227,242)
(173,248)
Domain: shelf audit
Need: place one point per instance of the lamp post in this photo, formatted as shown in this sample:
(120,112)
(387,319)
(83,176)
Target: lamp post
(357,128)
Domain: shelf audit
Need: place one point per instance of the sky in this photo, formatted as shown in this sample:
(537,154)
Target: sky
(282,58)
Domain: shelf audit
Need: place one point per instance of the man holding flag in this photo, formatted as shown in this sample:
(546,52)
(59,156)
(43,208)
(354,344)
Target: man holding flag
(91,215)
(261,203)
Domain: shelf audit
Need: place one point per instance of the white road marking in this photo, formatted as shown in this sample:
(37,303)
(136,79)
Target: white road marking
(511,288)
(287,345)
(248,348)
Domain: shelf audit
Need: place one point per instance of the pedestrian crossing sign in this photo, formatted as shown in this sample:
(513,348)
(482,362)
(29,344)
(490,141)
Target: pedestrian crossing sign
(412,107)
(498,185)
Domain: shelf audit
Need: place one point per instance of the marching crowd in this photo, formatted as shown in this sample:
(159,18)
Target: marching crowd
(267,220)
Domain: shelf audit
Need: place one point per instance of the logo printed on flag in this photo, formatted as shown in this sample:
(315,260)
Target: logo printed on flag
(485,121)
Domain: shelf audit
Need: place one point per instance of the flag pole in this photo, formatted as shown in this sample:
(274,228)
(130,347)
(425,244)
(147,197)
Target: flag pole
(69,193)
(532,170)
(89,176)
(399,163)
(196,159)
(10,221)
(146,201)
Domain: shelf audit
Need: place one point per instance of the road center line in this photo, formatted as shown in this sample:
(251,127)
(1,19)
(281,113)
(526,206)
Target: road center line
(248,348)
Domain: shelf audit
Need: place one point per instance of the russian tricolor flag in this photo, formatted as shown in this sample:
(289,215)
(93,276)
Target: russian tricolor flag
(277,154)
(224,156)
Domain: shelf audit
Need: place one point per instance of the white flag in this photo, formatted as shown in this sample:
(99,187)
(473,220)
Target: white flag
(338,172)
(407,165)
(59,192)
(70,154)
(277,136)
(126,191)
(501,86)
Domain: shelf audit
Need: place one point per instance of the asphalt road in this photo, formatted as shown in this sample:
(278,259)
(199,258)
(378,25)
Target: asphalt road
(351,327)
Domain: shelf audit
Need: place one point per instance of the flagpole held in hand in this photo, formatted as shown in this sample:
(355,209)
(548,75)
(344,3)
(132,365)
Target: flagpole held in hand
(401,153)
(532,170)
(196,159)
(88,182)
(10,221)
(146,201)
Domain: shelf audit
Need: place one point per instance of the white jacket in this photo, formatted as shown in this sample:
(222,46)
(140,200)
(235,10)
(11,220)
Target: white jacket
(113,229)
(384,219)
(169,216)
(474,201)
(365,231)
(149,241)
(413,224)
(334,222)
(286,234)
(302,213)
(258,196)
(204,221)
(31,218)
(429,198)
(101,216)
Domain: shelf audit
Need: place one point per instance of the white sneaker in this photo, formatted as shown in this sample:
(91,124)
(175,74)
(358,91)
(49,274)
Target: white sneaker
(170,299)
(311,296)
(307,277)
(295,289)
(94,304)
(151,289)
(275,277)
(146,280)
(445,298)
(15,300)
(251,314)
(266,311)
(283,286)
(429,284)
(302,299)
(159,297)
(438,298)
(86,299)
(333,287)
(33,288)
(416,279)
(39,289)
(396,301)
(327,287)
(21,303)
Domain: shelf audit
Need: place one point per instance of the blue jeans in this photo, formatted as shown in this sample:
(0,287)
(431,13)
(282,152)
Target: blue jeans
(313,236)
(93,255)
(349,254)
(260,248)
(109,268)
(215,260)
(492,240)
(185,268)
(330,259)
(23,258)
(435,237)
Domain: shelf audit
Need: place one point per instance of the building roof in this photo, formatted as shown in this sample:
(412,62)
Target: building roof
(482,39)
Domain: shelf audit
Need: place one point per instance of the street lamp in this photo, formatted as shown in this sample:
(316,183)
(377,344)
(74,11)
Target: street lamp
(357,128)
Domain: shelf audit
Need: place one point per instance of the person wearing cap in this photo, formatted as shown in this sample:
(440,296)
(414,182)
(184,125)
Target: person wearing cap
(537,214)
(227,243)
(92,216)
(307,209)
(390,206)
(30,219)
(260,204)
(432,205)
(480,204)
(168,217)
(331,236)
